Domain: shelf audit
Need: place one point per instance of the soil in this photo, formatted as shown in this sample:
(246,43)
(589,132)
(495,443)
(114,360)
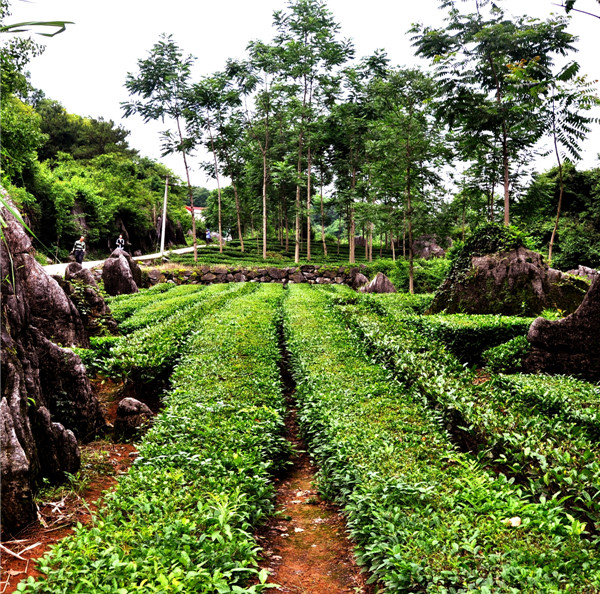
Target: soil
(58,515)
(305,546)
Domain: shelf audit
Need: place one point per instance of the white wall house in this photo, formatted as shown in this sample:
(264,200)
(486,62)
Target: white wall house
(198,212)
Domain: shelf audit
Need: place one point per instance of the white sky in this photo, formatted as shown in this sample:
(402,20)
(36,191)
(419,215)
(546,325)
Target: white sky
(85,67)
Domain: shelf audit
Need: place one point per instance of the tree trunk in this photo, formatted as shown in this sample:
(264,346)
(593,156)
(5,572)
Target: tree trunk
(238,214)
(308,201)
(411,272)
(264,205)
(560,190)
(506,176)
(212,146)
(323,219)
(190,194)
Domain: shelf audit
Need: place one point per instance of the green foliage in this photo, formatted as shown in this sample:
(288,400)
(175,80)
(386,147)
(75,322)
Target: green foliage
(21,138)
(424,515)
(428,274)
(154,308)
(578,238)
(502,426)
(469,336)
(151,351)
(507,357)
(182,519)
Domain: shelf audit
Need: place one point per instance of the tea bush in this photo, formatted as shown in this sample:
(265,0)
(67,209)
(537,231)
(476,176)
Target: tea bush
(425,516)
(182,519)
(507,357)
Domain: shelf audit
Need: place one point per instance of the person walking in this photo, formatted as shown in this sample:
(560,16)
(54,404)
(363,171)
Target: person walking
(120,242)
(79,249)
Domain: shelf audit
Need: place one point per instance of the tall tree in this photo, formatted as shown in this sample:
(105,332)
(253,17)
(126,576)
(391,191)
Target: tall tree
(310,51)
(472,58)
(256,79)
(407,148)
(566,98)
(161,84)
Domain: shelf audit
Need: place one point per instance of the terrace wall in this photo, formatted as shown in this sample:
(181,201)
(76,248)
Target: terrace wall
(208,275)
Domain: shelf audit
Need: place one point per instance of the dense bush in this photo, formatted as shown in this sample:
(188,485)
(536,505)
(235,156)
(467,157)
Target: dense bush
(425,516)
(182,519)
(507,357)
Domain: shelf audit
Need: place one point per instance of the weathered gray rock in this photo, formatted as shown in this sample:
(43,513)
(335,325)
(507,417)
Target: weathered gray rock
(360,280)
(426,247)
(80,285)
(121,274)
(380,284)
(589,273)
(133,418)
(46,397)
(277,273)
(571,345)
(517,282)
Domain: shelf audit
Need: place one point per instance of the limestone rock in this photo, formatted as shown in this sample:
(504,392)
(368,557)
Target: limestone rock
(426,247)
(81,286)
(570,345)
(121,274)
(133,417)
(359,281)
(380,284)
(46,397)
(515,282)
(584,271)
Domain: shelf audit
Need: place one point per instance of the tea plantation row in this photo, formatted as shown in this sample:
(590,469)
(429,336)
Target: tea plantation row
(449,485)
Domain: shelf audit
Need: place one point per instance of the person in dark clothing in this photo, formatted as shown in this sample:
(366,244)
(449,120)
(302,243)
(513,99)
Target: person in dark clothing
(79,249)
(121,242)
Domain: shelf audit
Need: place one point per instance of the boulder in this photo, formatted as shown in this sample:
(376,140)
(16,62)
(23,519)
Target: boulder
(121,274)
(133,418)
(80,285)
(589,273)
(426,247)
(515,282)
(359,280)
(570,345)
(380,284)
(46,401)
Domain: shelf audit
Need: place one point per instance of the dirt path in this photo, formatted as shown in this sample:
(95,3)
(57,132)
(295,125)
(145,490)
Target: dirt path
(305,546)
(62,509)
(58,515)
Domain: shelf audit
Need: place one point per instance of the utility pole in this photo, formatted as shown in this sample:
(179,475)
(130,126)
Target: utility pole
(164,218)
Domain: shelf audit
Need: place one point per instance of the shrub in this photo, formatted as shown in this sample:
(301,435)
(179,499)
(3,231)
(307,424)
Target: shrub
(507,357)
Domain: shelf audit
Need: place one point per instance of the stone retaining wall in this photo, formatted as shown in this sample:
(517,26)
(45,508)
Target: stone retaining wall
(206,275)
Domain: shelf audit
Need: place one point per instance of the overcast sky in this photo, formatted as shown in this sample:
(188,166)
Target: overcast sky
(85,67)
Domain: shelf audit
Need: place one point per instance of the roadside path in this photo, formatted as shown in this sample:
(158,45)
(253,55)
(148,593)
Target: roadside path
(60,268)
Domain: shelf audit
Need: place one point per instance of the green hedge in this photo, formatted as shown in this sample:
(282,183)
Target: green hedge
(182,519)
(123,306)
(425,517)
(551,454)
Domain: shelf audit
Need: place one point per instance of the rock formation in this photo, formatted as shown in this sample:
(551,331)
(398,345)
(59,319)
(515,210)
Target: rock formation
(571,345)
(495,274)
(47,402)
(427,247)
(380,284)
(121,274)
(81,286)
(206,275)
(133,417)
